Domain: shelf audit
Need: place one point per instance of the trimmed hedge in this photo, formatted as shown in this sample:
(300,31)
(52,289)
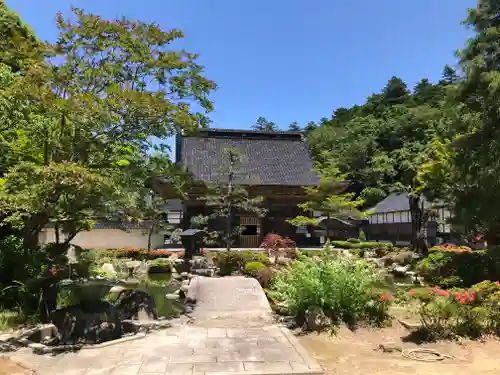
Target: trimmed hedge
(232,261)
(361,245)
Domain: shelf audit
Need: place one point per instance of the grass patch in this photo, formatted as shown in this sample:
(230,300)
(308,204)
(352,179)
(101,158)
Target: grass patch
(10,319)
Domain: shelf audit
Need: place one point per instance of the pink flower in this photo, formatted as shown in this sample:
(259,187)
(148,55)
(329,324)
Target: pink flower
(411,292)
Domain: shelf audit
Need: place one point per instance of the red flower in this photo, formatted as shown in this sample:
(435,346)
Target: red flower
(51,272)
(443,293)
(386,297)
(497,283)
(465,297)
(411,292)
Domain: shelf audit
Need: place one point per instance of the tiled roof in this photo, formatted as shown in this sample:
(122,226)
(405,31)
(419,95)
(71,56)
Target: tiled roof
(173,205)
(394,203)
(267,158)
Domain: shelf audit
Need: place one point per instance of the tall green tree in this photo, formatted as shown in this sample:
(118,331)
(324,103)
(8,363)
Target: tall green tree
(107,89)
(230,197)
(18,43)
(384,143)
(262,124)
(294,127)
(329,199)
(473,157)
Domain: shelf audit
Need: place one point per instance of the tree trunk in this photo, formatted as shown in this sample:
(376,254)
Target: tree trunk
(31,231)
(419,219)
(56,229)
(229,204)
(150,235)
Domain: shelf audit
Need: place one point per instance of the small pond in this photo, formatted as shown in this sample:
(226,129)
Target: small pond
(157,285)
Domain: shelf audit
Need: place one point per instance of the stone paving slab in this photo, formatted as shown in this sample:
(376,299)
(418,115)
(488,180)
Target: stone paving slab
(230,301)
(199,349)
(186,350)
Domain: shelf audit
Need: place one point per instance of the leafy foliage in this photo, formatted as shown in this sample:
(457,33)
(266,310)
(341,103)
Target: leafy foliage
(262,124)
(253,268)
(458,268)
(463,312)
(235,261)
(79,148)
(339,286)
(228,198)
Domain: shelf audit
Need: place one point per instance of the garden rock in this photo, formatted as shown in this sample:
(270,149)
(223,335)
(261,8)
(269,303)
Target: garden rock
(316,320)
(117,289)
(6,337)
(202,272)
(177,261)
(184,275)
(109,269)
(172,296)
(133,264)
(199,262)
(136,326)
(185,286)
(401,271)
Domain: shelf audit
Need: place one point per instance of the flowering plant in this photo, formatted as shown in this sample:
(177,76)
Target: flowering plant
(468,312)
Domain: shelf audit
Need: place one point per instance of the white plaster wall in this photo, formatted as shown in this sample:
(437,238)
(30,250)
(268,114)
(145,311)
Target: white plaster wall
(107,239)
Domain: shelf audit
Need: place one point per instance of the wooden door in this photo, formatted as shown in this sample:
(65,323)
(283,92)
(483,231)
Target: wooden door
(250,238)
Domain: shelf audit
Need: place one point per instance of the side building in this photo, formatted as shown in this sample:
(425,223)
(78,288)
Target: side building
(390,220)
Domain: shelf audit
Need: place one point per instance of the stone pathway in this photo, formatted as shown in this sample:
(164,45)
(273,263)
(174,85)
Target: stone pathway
(232,334)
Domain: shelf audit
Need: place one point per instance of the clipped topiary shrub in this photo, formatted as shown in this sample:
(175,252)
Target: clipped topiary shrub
(160,265)
(353,240)
(253,268)
(235,261)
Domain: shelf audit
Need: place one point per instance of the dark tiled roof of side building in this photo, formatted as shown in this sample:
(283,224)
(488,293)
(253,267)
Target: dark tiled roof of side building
(267,158)
(397,202)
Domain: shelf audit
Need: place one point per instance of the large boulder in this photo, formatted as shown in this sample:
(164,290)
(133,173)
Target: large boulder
(316,320)
(109,269)
(87,324)
(137,304)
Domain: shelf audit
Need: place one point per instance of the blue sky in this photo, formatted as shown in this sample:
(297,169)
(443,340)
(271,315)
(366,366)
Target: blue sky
(293,60)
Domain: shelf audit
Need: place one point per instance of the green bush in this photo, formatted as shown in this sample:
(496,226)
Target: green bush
(253,268)
(361,245)
(340,286)
(463,312)
(235,261)
(458,269)
(353,240)
(159,265)
(20,273)
(362,236)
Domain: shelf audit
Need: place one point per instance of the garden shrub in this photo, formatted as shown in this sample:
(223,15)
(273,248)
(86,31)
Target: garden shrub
(235,261)
(253,268)
(464,312)
(340,286)
(266,277)
(353,240)
(458,268)
(160,265)
(362,245)
(21,271)
(273,241)
(362,236)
